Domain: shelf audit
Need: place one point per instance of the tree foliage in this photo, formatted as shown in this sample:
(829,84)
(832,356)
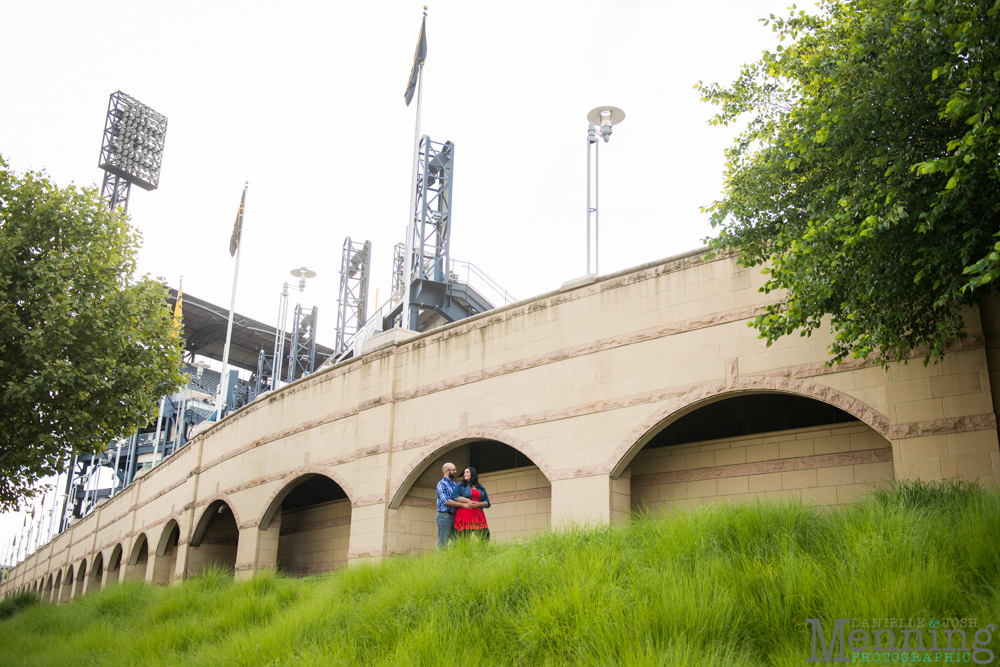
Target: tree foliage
(866,182)
(85,348)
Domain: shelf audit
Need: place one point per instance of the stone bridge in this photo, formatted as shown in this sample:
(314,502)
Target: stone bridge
(643,389)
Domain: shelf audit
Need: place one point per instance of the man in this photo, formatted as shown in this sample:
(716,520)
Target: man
(445,505)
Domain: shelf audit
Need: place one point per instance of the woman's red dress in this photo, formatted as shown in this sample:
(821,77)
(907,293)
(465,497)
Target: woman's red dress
(469,518)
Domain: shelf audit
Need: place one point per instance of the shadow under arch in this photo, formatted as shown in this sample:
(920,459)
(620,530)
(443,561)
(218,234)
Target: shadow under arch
(685,404)
(211,509)
(80,579)
(310,515)
(216,537)
(454,440)
(96,571)
(115,562)
(164,542)
(139,550)
(291,481)
(56,587)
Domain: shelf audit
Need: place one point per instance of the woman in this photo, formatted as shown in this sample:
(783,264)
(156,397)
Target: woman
(469,518)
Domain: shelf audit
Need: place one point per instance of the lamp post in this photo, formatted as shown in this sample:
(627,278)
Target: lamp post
(601,119)
(302,274)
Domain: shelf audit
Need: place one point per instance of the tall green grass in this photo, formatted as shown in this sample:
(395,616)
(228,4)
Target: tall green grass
(722,585)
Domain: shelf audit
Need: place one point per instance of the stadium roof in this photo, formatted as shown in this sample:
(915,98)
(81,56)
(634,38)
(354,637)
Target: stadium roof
(204,333)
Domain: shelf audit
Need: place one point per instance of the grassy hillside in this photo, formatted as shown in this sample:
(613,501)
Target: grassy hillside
(723,585)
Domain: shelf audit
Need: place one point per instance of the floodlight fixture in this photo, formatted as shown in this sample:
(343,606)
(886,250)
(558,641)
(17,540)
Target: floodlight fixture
(604,118)
(302,273)
(132,149)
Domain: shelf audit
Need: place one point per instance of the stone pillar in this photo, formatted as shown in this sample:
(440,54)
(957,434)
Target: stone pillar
(161,568)
(181,565)
(593,500)
(257,550)
(370,534)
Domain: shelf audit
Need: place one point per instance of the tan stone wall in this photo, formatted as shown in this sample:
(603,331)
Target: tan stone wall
(577,381)
(314,540)
(520,502)
(828,465)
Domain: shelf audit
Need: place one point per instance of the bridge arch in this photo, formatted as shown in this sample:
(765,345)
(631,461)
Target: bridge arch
(166,552)
(57,587)
(138,558)
(95,579)
(687,403)
(114,565)
(445,444)
(81,579)
(294,478)
(516,476)
(216,536)
(310,514)
(734,445)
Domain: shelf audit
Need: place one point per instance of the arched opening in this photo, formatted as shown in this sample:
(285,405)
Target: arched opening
(520,494)
(215,539)
(47,591)
(114,566)
(757,445)
(96,573)
(66,590)
(81,576)
(166,553)
(138,560)
(56,587)
(314,515)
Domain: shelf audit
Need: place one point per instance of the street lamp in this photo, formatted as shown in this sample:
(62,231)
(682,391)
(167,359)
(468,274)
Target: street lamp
(302,274)
(604,118)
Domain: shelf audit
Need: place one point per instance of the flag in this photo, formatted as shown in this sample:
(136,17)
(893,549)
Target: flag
(234,242)
(419,58)
(178,317)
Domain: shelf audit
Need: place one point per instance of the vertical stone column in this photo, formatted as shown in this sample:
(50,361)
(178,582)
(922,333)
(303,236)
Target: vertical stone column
(369,533)
(257,550)
(593,500)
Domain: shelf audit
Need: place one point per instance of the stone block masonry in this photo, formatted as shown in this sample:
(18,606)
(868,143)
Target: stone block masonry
(565,392)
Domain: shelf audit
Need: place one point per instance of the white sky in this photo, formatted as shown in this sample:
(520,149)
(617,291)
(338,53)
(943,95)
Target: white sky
(305,101)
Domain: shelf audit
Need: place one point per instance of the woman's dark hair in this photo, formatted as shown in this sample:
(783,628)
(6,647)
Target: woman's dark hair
(473,479)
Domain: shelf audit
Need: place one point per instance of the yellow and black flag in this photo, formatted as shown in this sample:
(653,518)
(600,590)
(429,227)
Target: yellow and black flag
(419,58)
(234,242)
(178,312)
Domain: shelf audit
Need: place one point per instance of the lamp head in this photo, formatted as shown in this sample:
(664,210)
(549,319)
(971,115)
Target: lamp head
(605,117)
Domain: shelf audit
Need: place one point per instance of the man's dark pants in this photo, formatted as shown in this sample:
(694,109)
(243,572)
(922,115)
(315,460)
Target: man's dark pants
(445,520)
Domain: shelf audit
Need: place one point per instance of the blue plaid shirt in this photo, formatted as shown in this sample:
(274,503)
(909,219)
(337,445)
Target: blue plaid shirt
(444,490)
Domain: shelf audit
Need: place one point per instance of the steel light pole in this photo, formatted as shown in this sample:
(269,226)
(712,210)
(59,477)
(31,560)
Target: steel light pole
(601,119)
(302,274)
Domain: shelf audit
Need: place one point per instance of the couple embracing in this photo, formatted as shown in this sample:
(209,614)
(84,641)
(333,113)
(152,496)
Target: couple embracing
(460,505)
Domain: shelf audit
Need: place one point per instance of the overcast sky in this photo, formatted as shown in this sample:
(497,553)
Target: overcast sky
(305,101)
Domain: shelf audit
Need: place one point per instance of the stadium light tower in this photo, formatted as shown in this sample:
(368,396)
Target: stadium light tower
(132,149)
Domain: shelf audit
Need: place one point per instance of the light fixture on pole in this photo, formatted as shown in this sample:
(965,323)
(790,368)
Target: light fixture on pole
(302,274)
(602,118)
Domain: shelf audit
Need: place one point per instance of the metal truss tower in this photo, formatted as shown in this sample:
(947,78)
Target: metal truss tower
(435,296)
(432,213)
(303,353)
(352,300)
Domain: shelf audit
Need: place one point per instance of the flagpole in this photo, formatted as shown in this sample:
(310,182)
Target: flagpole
(222,395)
(408,252)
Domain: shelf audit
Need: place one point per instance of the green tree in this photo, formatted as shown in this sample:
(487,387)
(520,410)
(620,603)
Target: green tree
(867,176)
(86,349)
